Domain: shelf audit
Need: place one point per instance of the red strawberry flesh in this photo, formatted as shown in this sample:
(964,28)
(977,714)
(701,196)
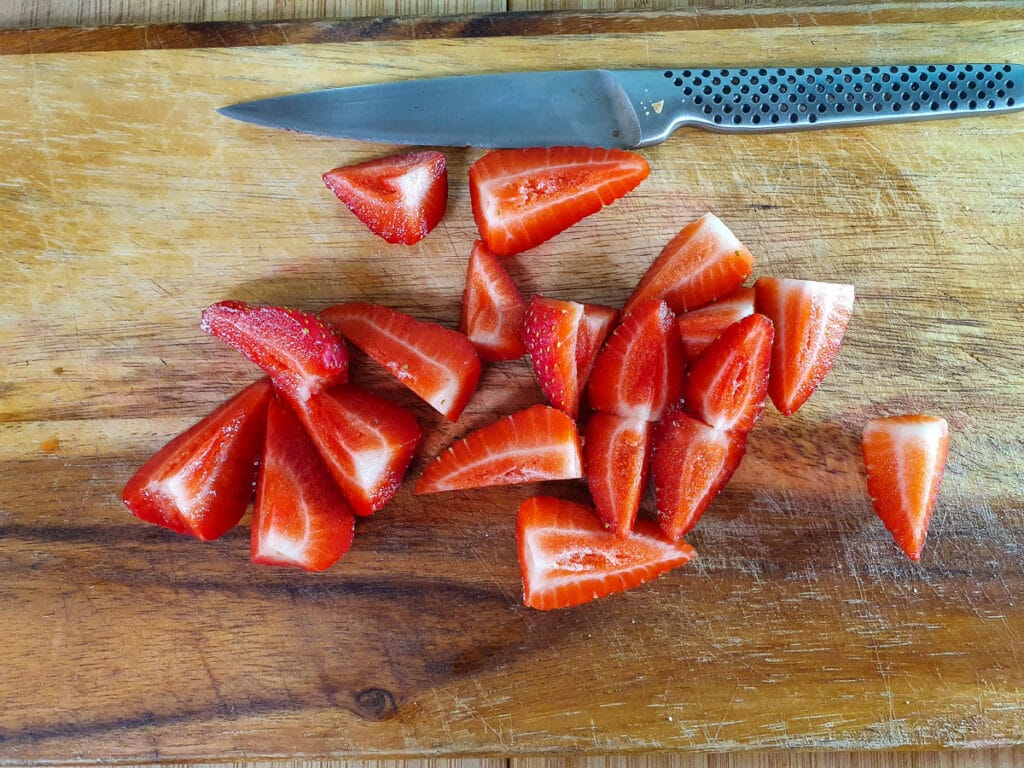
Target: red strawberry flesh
(493,309)
(728,381)
(438,364)
(300,354)
(522,197)
(615,458)
(905,458)
(201,482)
(567,557)
(535,444)
(700,327)
(690,463)
(810,321)
(704,262)
(639,372)
(366,441)
(401,198)
(300,518)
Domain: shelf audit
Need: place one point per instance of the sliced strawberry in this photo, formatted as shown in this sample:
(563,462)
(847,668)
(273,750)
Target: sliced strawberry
(905,457)
(700,327)
(522,197)
(810,320)
(401,197)
(300,354)
(615,461)
(690,463)
(492,308)
(728,381)
(201,482)
(639,373)
(365,440)
(537,443)
(299,518)
(595,326)
(704,262)
(550,332)
(563,338)
(438,364)
(567,558)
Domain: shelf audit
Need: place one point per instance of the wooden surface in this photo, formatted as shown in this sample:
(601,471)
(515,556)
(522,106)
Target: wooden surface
(129,205)
(81,13)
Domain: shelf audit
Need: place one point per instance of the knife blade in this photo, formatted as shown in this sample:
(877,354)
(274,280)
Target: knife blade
(637,108)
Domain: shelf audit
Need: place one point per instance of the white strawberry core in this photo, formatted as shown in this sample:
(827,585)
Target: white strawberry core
(925,437)
(174,489)
(277,546)
(369,465)
(414,186)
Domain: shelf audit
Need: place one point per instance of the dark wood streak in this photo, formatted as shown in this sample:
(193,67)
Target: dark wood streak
(53,730)
(232,34)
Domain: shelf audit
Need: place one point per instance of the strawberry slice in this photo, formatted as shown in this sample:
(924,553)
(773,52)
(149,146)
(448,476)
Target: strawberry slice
(567,558)
(550,331)
(201,482)
(365,440)
(728,382)
(401,197)
(595,326)
(704,262)
(438,364)
(639,373)
(300,518)
(492,308)
(810,320)
(690,463)
(905,457)
(522,197)
(700,327)
(615,460)
(563,338)
(301,355)
(537,443)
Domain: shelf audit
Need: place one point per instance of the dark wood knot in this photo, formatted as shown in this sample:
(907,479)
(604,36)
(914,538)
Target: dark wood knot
(376,704)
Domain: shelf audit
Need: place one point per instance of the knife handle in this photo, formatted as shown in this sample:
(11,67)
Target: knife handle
(754,100)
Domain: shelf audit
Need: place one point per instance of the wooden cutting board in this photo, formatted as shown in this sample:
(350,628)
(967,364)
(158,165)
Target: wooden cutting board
(128,205)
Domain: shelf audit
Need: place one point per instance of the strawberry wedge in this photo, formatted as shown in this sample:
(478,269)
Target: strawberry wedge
(700,327)
(704,262)
(563,338)
(365,440)
(492,308)
(535,444)
(201,482)
(690,463)
(810,321)
(401,198)
(639,372)
(597,322)
(567,558)
(905,458)
(300,354)
(438,364)
(615,458)
(522,197)
(728,381)
(299,518)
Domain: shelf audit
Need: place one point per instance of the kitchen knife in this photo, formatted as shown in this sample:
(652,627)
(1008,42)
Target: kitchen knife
(637,108)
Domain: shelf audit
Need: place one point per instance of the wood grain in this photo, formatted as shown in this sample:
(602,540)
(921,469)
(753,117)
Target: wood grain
(178,34)
(129,205)
(16,14)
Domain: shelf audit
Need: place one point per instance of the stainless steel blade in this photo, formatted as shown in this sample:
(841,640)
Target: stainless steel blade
(635,108)
(585,108)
